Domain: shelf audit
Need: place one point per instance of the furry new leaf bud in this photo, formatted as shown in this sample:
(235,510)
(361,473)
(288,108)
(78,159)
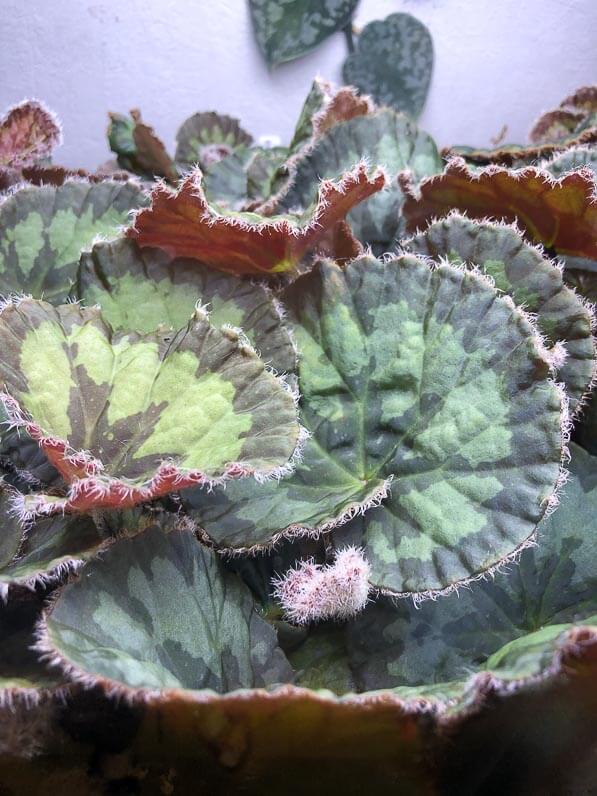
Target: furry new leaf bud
(311,592)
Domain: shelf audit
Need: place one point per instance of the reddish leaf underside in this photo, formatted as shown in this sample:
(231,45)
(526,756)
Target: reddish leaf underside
(183,224)
(28,132)
(345,104)
(561,214)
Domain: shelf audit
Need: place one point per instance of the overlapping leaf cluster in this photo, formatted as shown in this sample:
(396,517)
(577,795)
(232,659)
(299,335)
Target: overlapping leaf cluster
(345,343)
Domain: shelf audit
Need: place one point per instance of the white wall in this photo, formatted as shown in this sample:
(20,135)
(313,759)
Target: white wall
(497,62)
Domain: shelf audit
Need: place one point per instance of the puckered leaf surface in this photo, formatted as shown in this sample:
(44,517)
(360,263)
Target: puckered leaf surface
(534,283)
(288,30)
(561,214)
(28,132)
(141,289)
(524,610)
(393,62)
(126,418)
(205,138)
(44,229)
(160,611)
(385,138)
(245,179)
(420,375)
(572,160)
(183,224)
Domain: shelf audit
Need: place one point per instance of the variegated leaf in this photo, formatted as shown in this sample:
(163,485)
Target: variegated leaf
(44,229)
(524,611)
(138,148)
(206,138)
(561,214)
(160,611)
(289,29)
(534,282)
(142,289)
(183,224)
(425,376)
(28,132)
(385,138)
(393,62)
(571,160)
(126,418)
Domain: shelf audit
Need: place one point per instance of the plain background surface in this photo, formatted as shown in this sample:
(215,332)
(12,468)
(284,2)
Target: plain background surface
(496,62)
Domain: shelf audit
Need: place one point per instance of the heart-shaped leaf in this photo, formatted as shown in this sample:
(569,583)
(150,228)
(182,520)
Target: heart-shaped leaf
(183,224)
(561,214)
(126,418)
(385,138)
(419,375)
(43,231)
(142,289)
(285,31)
(206,138)
(393,63)
(28,132)
(534,283)
(160,611)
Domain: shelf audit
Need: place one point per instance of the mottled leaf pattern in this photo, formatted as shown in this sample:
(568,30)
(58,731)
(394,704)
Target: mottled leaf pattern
(141,289)
(28,132)
(160,611)
(393,63)
(534,283)
(393,644)
(420,375)
(385,138)
(208,137)
(43,231)
(183,224)
(244,179)
(126,418)
(571,160)
(288,29)
(561,214)
(555,125)
(47,544)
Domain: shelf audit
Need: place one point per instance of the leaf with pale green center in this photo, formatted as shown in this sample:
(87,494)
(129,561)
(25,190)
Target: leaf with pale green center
(44,229)
(291,28)
(160,611)
(393,62)
(126,418)
(523,611)
(534,282)
(142,289)
(425,376)
(208,137)
(385,138)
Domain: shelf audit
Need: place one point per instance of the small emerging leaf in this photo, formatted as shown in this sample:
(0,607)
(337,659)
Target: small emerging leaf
(28,133)
(138,148)
(206,138)
(183,224)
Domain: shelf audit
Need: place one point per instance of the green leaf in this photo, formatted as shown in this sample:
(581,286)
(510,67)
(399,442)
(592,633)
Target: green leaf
(385,138)
(571,160)
(291,28)
(126,418)
(534,283)
(160,611)
(424,376)
(245,178)
(43,231)
(142,289)
(208,137)
(138,148)
(393,63)
(522,611)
